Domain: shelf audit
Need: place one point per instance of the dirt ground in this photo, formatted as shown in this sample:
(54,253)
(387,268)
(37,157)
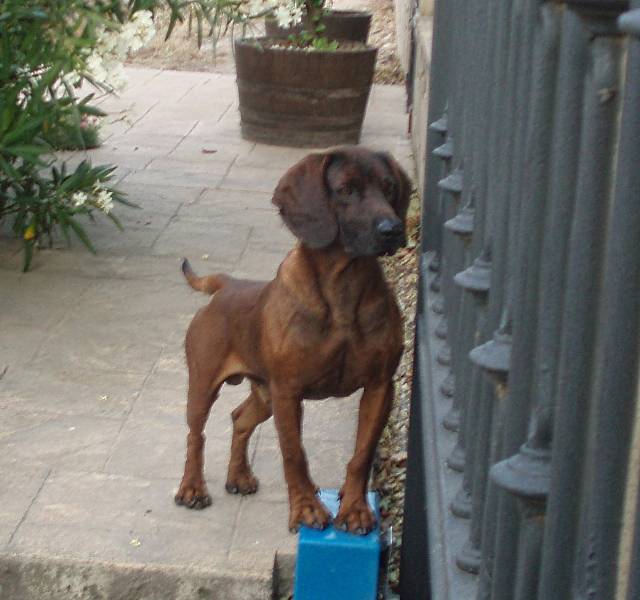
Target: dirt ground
(181,52)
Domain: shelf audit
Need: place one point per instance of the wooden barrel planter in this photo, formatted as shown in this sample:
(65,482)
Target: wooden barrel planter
(302,98)
(352,25)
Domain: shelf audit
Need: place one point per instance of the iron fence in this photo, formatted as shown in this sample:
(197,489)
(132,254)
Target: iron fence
(528,326)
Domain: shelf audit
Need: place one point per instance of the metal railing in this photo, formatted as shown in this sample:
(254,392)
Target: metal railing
(531,271)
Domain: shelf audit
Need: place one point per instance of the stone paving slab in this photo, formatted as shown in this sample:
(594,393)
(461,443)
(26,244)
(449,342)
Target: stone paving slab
(92,372)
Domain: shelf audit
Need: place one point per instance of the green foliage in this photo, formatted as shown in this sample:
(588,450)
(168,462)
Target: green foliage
(304,39)
(314,12)
(42,44)
(67,136)
(323,43)
(214,18)
(211,18)
(312,35)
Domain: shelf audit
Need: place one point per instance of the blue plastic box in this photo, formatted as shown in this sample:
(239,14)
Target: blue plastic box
(335,565)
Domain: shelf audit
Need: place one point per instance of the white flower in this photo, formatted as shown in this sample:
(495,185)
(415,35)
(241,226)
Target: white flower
(283,16)
(104,201)
(296,14)
(145,28)
(105,63)
(256,7)
(71,78)
(115,76)
(78,199)
(95,67)
(135,43)
(120,43)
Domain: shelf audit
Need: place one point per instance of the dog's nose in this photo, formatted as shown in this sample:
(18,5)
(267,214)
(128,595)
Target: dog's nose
(389,228)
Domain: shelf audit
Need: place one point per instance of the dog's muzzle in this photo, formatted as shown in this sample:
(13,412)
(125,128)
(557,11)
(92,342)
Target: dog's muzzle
(390,234)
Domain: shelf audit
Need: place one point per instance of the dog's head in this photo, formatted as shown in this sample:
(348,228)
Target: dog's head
(350,195)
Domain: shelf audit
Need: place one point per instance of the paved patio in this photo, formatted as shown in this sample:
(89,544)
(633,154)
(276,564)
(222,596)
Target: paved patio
(92,375)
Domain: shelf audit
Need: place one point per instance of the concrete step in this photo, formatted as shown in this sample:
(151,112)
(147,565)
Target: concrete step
(90,536)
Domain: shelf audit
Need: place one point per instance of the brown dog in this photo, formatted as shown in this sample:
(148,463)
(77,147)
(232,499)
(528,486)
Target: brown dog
(327,325)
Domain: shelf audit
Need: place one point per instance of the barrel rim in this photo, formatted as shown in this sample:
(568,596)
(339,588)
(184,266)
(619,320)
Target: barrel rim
(348,14)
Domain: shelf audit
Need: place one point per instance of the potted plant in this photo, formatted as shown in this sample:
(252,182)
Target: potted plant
(306,90)
(352,25)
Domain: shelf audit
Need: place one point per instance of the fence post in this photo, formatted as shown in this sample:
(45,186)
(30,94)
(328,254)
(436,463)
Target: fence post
(494,355)
(523,474)
(438,85)
(625,222)
(493,33)
(612,386)
(470,305)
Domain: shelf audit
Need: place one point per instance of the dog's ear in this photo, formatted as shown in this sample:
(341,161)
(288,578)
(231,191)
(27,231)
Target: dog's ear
(403,185)
(302,197)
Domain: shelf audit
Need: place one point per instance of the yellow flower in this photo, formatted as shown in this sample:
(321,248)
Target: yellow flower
(30,232)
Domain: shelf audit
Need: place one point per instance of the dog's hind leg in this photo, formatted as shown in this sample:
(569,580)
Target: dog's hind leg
(246,417)
(209,364)
(192,492)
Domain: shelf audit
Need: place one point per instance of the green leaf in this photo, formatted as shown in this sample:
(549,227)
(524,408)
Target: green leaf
(24,131)
(119,198)
(28,152)
(175,17)
(94,111)
(116,221)
(81,233)
(61,214)
(199,20)
(8,169)
(28,255)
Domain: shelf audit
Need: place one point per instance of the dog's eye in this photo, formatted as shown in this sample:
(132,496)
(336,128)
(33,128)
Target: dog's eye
(387,186)
(346,189)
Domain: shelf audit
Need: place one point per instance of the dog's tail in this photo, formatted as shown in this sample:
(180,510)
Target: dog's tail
(208,284)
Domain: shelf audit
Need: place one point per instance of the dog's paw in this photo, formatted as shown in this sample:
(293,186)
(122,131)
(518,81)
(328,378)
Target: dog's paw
(193,496)
(244,483)
(309,511)
(355,517)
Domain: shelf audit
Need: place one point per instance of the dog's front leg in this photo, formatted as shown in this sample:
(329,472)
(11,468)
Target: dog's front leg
(304,506)
(355,515)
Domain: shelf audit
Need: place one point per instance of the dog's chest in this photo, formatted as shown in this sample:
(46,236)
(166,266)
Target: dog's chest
(336,345)
(347,361)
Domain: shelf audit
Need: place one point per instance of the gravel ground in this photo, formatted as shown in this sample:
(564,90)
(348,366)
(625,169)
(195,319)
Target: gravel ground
(382,35)
(389,469)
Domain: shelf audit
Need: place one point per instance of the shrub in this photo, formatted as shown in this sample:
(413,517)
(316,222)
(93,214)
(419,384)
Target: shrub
(47,49)
(214,18)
